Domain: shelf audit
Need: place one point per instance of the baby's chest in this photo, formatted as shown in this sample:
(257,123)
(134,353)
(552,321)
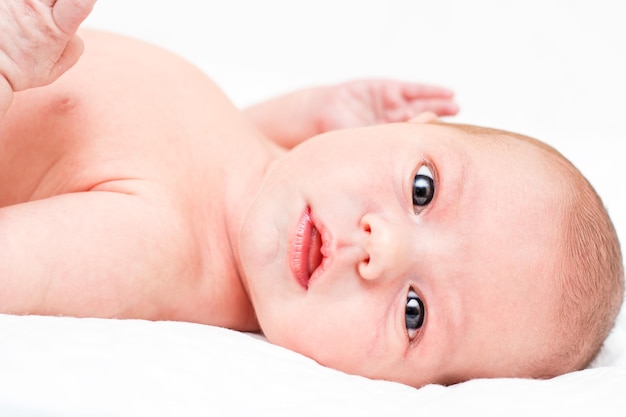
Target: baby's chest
(64,142)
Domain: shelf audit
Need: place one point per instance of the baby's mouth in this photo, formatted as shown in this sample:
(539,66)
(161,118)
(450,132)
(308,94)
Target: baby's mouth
(315,251)
(306,253)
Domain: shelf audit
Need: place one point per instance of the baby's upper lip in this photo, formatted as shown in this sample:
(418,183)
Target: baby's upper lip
(315,251)
(320,251)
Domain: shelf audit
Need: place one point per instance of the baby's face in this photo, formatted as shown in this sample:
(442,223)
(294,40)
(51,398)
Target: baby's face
(406,252)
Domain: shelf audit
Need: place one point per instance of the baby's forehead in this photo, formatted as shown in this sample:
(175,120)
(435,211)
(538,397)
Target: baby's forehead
(500,140)
(511,191)
(523,157)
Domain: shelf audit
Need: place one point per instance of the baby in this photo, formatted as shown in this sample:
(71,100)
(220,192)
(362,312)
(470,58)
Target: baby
(416,251)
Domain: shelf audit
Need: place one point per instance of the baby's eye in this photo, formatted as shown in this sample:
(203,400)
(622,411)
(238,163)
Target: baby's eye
(423,188)
(413,313)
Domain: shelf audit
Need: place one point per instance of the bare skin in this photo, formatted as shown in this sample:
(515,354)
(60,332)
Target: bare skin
(127,177)
(131,187)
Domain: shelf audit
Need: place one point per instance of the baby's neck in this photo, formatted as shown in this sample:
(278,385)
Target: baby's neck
(245,171)
(242,190)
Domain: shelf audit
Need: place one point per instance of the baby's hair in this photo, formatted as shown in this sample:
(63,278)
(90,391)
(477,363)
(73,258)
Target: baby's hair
(592,272)
(590,269)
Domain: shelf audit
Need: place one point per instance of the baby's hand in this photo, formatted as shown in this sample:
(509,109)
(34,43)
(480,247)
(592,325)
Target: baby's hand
(38,40)
(369,102)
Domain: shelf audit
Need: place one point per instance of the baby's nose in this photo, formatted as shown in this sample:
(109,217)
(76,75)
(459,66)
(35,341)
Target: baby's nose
(387,248)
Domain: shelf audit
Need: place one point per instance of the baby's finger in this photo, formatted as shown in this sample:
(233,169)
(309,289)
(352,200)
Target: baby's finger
(413,91)
(69,14)
(69,57)
(393,98)
(441,107)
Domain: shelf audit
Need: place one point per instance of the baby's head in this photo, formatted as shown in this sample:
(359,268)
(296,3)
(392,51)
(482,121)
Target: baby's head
(432,253)
(587,266)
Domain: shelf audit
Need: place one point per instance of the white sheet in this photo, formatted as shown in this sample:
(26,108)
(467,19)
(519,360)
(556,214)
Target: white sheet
(54,366)
(551,69)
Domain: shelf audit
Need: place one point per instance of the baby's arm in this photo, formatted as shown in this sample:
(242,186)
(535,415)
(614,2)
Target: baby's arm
(38,43)
(92,254)
(294,117)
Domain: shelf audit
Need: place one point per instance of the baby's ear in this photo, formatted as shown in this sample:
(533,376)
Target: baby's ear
(426,117)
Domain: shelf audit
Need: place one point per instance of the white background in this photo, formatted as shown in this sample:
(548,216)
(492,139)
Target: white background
(549,69)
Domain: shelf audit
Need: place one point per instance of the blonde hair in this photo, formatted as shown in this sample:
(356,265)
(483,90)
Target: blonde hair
(592,273)
(589,270)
